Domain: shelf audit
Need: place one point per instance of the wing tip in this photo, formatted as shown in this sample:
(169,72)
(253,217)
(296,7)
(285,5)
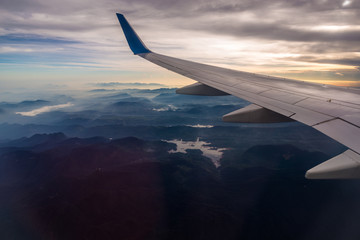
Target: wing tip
(135,43)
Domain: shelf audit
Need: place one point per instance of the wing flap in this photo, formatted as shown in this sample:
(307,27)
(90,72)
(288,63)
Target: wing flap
(352,118)
(283,96)
(253,88)
(332,109)
(342,132)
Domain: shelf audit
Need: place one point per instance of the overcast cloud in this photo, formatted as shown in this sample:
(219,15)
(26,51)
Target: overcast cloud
(272,37)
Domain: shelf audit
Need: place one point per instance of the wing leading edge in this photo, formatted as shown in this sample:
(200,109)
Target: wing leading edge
(332,110)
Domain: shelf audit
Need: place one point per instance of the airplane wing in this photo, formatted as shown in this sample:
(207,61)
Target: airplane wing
(332,110)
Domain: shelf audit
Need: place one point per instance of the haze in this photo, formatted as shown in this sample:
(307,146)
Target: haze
(73,45)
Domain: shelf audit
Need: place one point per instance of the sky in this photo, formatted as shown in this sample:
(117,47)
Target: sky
(47,44)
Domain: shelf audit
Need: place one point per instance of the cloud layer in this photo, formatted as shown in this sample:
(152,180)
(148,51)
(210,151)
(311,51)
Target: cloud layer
(45,109)
(272,37)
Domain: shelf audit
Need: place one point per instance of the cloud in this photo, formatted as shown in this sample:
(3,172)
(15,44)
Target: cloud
(200,126)
(355,61)
(135,84)
(209,151)
(245,34)
(19,38)
(45,109)
(346,3)
(275,31)
(165,109)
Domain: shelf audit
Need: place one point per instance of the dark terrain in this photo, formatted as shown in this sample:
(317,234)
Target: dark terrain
(55,187)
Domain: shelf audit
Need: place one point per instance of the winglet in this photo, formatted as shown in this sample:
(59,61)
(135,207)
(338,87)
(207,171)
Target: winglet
(135,43)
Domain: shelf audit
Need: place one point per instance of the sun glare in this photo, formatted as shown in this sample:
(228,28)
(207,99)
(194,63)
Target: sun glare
(346,3)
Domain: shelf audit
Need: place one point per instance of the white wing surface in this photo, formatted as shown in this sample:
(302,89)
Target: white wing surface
(332,110)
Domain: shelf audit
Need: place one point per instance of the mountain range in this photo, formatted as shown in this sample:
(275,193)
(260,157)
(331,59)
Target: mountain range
(107,167)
